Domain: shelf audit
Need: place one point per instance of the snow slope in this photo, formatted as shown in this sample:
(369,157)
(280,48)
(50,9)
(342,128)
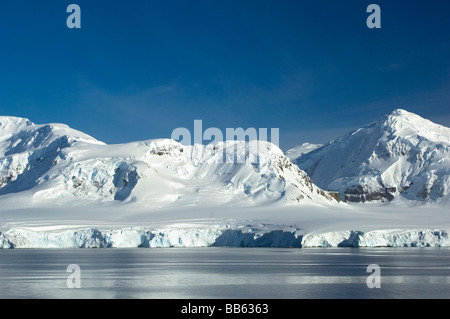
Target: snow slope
(402,156)
(55,163)
(300,150)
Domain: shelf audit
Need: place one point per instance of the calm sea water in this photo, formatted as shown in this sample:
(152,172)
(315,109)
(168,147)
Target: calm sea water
(235,273)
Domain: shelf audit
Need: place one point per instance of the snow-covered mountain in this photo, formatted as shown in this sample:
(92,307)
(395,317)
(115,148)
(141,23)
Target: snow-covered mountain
(300,150)
(55,163)
(401,156)
(61,188)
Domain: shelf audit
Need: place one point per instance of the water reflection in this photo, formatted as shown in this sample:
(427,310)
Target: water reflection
(225,273)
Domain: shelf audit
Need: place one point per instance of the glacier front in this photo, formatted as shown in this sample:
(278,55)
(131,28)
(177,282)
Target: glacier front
(241,236)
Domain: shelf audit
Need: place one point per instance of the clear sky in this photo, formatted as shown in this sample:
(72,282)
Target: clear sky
(138,69)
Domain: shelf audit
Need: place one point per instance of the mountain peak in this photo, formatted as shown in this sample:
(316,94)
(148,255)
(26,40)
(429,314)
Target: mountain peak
(397,112)
(17,131)
(412,126)
(11,123)
(405,116)
(401,155)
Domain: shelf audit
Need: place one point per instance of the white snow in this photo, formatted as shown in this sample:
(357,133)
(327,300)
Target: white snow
(296,152)
(53,163)
(400,157)
(274,225)
(5,243)
(237,236)
(75,238)
(60,188)
(380,238)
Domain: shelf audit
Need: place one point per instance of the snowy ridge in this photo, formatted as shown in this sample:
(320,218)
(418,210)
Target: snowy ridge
(239,236)
(54,163)
(300,150)
(27,151)
(402,156)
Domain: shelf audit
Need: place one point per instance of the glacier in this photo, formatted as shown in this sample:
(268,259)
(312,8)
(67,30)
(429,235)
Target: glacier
(5,243)
(242,236)
(60,188)
(380,238)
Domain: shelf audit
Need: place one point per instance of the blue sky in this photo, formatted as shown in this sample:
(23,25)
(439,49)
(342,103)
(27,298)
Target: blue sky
(139,69)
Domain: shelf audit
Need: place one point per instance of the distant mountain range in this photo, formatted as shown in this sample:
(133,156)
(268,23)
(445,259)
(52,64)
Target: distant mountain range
(55,163)
(60,188)
(400,157)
